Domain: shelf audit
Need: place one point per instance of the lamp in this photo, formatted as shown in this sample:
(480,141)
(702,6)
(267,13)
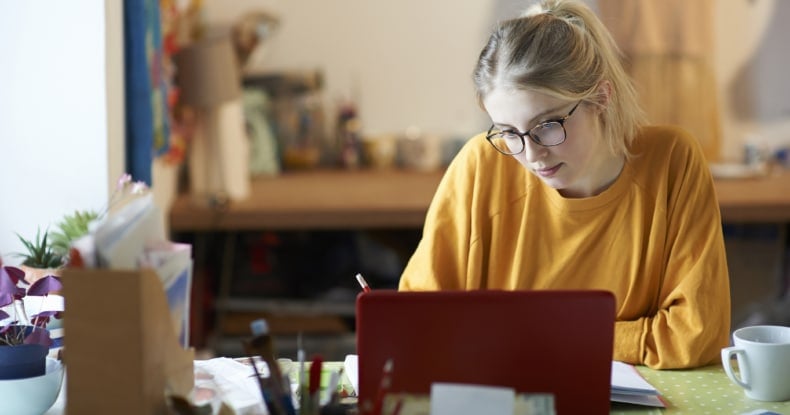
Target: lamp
(209,81)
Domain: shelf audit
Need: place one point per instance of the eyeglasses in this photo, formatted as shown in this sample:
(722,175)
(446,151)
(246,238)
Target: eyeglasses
(547,134)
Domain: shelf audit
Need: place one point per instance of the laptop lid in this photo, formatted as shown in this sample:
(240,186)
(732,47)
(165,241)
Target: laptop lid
(553,341)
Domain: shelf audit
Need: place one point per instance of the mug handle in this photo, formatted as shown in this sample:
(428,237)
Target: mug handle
(727,354)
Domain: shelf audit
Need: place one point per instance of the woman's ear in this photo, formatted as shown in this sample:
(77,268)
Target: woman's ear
(603,94)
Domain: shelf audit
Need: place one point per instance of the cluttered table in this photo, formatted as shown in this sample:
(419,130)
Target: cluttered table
(700,391)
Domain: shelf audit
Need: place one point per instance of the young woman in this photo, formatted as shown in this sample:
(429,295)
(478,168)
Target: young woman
(568,190)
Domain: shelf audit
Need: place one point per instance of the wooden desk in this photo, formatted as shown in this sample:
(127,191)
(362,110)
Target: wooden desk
(699,391)
(329,199)
(376,199)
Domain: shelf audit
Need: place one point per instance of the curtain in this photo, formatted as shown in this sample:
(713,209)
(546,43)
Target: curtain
(668,50)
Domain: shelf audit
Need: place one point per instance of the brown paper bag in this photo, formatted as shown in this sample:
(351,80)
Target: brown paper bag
(121,351)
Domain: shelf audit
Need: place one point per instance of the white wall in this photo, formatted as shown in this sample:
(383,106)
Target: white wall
(61,128)
(410,61)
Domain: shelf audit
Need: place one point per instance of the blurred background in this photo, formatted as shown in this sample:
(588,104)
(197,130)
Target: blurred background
(231,96)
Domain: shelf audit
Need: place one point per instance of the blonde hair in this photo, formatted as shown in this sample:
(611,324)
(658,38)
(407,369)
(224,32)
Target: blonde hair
(561,48)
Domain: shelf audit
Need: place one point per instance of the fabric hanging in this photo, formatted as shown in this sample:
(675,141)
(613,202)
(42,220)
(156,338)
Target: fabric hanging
(147,130)
(668,47)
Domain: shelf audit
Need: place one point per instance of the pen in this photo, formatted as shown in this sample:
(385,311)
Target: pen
(334,380)
(263,345)
(302,387)
(363,283)
(398,406)
(272,406)
(384,387)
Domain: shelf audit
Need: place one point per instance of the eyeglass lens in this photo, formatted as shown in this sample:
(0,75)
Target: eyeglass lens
(547,134)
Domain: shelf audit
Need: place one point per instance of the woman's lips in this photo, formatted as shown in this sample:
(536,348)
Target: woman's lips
(549,171)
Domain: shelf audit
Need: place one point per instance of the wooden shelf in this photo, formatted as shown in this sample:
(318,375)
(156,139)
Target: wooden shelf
(757,200)
(323,199)
(342,199)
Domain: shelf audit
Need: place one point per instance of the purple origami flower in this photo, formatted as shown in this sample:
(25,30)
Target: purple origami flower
(46,285)
(12,293)
(9,291)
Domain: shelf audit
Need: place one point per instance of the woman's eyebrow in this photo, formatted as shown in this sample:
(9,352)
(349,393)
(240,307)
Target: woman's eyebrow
(534,119)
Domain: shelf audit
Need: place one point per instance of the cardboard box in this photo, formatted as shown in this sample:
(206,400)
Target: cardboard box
(122,353)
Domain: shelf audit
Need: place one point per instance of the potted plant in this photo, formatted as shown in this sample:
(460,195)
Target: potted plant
(72,227)
(40,259)
(46,255)
(24,340)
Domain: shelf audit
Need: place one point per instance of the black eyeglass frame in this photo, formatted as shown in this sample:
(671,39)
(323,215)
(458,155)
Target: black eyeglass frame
(560,121)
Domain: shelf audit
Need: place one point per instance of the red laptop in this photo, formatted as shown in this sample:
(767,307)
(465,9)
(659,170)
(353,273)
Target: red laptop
(553,341)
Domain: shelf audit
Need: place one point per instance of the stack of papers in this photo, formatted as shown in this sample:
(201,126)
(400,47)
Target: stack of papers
(628,386)
(231,382)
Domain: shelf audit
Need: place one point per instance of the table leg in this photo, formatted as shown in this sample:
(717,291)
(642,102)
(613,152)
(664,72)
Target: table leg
(197,300)
(784,261)
(225,280)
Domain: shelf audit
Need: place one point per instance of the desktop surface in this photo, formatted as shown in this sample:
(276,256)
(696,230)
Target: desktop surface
(700,391)
(705,390)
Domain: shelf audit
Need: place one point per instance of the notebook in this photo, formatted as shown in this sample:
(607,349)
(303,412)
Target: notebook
(551,341)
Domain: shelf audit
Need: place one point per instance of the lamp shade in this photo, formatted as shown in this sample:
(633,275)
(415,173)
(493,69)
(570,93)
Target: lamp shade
(208,73)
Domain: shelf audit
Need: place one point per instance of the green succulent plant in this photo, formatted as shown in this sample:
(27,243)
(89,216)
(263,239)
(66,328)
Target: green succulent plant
(39,253)
(71,228)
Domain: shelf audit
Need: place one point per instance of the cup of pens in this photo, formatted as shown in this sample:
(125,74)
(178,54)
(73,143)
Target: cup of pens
(322,385)
(314,390)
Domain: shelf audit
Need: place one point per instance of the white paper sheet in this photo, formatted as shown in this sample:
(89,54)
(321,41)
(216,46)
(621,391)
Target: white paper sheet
(350,366)
(460,399)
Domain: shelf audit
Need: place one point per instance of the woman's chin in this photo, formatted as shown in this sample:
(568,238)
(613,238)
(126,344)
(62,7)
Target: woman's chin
(555,182)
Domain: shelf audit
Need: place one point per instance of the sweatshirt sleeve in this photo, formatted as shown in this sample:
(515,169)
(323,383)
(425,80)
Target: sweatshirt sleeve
(440,261)
(692,322)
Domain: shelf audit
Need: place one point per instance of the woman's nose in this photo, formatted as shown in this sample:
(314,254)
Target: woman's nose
(533,152)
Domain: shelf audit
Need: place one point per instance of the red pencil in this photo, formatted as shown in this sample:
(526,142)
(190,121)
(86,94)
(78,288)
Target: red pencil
(314,388)
(363,283)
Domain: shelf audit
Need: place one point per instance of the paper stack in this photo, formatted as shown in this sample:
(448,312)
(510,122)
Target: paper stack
(628,386)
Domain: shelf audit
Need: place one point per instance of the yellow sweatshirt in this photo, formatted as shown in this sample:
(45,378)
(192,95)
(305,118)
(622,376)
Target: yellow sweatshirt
(653,238)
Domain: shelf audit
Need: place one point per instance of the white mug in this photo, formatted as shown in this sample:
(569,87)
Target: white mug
(763,354)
